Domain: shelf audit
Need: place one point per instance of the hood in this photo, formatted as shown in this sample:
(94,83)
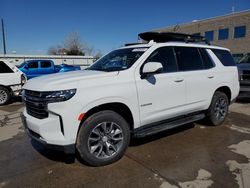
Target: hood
(65,80)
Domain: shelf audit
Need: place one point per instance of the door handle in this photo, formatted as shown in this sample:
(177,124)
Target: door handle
(210,77)
(179,80)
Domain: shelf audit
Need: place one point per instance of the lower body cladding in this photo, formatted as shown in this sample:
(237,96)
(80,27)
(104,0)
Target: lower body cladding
(58,131)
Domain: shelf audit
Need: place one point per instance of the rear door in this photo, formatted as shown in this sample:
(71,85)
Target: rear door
(46,67)
(161,96)
(199,76)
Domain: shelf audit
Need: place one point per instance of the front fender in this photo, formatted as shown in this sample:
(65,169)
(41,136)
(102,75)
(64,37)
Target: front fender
(114,99)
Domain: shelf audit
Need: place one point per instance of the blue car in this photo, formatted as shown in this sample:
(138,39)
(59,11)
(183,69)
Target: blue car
(34,68)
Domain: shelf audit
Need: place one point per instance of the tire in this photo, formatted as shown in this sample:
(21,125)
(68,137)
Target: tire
(4,96)
(218,109)
(103,138)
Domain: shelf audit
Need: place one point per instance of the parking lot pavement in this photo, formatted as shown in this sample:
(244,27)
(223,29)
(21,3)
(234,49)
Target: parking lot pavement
(194,155)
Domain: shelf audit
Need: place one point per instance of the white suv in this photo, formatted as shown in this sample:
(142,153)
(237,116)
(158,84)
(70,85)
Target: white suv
(11,81)
(136,90)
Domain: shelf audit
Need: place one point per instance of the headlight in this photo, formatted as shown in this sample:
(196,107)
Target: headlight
(59,96)
(23,79)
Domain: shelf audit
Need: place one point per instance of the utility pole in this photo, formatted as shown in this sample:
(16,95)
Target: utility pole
(233,9)
(4,45)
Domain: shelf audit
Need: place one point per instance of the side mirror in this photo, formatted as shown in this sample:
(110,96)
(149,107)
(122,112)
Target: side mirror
(151,68)
(26,67)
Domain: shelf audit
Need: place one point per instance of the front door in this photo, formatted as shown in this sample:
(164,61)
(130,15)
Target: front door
(32,69)
(161,96)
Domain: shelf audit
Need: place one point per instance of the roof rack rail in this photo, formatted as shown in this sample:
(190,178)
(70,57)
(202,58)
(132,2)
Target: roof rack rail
(135,43)
(171,36)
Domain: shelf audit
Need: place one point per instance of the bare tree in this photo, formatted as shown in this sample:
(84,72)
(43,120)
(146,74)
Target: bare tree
(56,50)
(98,55)
(73,44)
(89,50)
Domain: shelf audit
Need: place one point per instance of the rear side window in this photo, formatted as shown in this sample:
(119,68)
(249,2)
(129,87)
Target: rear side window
(4,68)
(45,64)
(225,57)
(207,61)
(33,64)
(165,56)
(188,58)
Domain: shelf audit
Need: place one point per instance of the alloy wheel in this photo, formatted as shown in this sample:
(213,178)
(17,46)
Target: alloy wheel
(220,109)
(3,96)
(105,140)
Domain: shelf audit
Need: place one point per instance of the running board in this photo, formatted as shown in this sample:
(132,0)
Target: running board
(147,130)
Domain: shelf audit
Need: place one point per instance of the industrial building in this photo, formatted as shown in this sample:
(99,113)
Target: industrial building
(231,31)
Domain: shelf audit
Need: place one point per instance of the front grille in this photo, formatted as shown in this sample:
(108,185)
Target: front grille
(246,75)
(35,105)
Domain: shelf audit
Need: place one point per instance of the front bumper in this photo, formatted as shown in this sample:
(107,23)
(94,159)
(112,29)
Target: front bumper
(68,148)
(244,88)
(16,89)
(244,85)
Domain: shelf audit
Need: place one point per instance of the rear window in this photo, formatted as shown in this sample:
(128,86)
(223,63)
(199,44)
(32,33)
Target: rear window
(4,68)
(207,61)
(225,57)
(33,64)
(45,64)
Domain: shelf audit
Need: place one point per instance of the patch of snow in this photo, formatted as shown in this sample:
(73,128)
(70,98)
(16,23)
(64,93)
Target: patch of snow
(203,180)
(240,129)
(241,170)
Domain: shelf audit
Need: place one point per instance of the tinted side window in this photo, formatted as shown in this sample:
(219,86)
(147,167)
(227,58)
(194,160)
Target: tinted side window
(45,64)
(188,58)
(207,61)
(165,56)
(225,57)
(33,64)
(4,68)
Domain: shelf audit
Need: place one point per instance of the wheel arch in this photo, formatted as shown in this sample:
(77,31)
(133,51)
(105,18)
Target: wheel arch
(226,90)
(7,87)
(118,107)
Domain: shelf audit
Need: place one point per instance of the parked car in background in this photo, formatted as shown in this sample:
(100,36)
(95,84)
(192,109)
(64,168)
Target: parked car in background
(11,81)
(34,68)
(237,57)
(244,74)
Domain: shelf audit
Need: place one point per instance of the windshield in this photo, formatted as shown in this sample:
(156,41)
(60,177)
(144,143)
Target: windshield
(19,66)
(245,58)
(118,60)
